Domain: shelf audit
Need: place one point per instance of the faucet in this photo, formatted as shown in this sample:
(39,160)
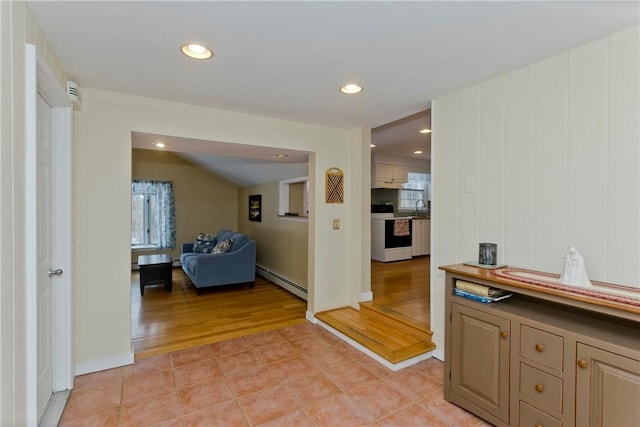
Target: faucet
(420,209)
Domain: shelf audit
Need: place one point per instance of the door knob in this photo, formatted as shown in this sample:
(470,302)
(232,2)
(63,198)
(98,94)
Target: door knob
(56,272)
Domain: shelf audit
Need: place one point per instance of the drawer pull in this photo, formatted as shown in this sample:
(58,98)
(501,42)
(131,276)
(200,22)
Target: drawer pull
(539,348)
(539,388)
(582,363)
(538,425)
(504,335)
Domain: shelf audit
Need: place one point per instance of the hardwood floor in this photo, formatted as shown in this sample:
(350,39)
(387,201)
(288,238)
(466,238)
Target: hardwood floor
(403,286)
(162,322)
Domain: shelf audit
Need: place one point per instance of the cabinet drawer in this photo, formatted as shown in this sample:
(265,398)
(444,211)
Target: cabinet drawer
(541,347)
(531,417)
(541,387)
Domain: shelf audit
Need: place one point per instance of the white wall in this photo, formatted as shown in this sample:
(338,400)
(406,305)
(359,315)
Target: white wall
(554,151)
(17,27)
(102,212)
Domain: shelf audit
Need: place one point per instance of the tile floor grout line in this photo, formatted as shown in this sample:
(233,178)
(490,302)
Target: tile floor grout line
(368,374)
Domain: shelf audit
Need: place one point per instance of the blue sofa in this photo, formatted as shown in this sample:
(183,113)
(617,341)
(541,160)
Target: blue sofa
(237,265)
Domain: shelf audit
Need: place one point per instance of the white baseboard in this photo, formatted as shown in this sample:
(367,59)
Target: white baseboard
(393,366)
(366,296)
(310,317)
(104,364)
(438,354)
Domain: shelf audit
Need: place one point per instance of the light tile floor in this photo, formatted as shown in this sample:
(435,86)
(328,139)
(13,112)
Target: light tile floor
(297,376)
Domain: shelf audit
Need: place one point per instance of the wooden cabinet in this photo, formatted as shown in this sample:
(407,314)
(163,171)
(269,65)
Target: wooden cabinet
(480,359)
(607,388)
(540,358)
(421,237)
(389,176)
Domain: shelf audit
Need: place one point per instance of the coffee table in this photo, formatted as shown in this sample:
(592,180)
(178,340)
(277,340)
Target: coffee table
(155,270)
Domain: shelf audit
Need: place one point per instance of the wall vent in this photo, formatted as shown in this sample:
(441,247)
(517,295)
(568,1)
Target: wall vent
(74,94)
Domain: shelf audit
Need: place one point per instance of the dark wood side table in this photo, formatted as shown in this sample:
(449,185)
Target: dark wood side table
(155,270)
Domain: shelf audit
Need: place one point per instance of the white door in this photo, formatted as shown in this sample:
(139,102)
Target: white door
(44,247)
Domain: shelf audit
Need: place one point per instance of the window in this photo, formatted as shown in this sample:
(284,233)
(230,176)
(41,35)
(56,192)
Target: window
(414,191)
(152,215)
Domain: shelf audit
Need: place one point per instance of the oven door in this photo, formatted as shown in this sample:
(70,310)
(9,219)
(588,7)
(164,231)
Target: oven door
(397,233)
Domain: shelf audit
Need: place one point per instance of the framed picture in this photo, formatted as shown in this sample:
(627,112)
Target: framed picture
(255,207)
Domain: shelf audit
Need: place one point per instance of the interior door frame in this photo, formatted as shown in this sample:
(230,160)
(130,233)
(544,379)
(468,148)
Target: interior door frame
(41,79)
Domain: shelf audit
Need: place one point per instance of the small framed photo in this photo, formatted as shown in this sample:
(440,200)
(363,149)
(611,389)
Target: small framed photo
(255,207)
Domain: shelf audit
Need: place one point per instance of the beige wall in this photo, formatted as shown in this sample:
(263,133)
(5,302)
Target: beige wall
(282,244)
(296,198)
(554,151)
(204,201)
(103,155)
(17,27)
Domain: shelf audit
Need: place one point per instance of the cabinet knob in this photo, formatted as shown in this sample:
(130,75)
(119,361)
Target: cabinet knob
(539,348)
(582,363)
(504,335)
(539,388)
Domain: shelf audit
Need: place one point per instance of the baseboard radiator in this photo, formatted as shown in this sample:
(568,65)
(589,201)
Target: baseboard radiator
(281,281)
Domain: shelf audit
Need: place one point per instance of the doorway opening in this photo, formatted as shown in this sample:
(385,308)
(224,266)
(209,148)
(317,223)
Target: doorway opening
(209,198)
(404,286)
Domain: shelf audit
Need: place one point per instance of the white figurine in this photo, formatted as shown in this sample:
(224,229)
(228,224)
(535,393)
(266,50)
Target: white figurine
(574,270)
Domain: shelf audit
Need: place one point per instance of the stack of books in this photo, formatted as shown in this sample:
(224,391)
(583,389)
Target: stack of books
(478,292)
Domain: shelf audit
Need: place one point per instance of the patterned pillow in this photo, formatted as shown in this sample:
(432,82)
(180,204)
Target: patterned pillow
(204,243)
(222,247)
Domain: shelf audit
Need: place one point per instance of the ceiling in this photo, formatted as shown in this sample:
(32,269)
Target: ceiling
(288,59)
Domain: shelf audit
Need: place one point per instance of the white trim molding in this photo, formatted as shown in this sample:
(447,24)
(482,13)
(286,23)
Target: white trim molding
(41,79)
(104,364)
(366,296)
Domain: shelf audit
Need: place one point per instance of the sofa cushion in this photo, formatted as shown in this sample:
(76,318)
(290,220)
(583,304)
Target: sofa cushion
(204,243)
(222,246)
(189,263)
(225,235)
(239,240)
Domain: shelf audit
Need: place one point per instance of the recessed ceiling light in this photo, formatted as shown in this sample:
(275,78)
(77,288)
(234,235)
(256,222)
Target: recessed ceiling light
(425,130)
(196,51)
(417,152)
(160,144)
(373,145)
(281,156)
(351,88)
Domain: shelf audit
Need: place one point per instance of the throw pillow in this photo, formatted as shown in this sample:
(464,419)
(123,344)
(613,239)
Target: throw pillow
(222,247)
(204,243)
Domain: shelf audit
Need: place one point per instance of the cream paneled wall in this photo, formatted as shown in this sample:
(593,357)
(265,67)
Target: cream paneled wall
(17,27)
(539,159)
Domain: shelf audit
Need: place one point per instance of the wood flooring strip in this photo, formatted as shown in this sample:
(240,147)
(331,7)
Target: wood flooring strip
(162,322)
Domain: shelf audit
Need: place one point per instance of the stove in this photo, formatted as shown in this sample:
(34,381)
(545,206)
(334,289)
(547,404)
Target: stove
(391,238)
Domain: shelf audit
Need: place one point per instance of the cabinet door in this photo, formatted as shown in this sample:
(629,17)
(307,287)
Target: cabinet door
(416,238)
(400,174)
(480,359)
(607,388)
(384,172)
(426,235)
